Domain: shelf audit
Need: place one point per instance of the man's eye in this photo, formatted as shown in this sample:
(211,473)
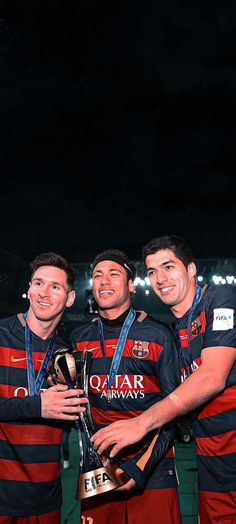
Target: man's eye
(150,273)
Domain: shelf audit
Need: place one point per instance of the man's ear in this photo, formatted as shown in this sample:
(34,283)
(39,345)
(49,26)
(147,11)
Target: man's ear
(192,270)
(131,286)
(28,292)
(70,299)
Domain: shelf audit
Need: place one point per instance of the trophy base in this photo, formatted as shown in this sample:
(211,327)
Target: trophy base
(98,481)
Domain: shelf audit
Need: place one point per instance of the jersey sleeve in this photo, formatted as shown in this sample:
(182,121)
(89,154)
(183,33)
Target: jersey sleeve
(140,467)
(16,408)
(220,318)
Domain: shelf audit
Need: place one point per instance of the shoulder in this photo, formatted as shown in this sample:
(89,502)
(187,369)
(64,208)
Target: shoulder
(9,323)
(158,328)
(217,295)
(84,331)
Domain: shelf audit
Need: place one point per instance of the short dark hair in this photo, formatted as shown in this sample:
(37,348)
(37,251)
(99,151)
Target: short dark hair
(173,242)
(55,260)
(120,258)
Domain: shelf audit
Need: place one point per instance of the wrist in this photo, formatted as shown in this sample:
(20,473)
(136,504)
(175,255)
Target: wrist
(150,419)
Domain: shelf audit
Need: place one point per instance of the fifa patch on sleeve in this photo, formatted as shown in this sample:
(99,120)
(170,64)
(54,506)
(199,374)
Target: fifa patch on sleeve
(223,319)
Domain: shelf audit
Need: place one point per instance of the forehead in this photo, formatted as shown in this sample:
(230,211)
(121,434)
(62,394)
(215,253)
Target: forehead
(109,265)
(50,274)
(162,257)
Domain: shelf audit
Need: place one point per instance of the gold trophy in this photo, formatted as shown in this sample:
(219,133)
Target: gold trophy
(97,474)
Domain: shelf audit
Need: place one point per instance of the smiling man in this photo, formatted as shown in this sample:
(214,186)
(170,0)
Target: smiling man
(30,434)
(135,364)
(206,333)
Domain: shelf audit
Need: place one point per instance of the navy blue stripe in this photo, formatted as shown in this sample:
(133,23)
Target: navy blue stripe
(217,473)
(215,425)
(25,502)
(30,454)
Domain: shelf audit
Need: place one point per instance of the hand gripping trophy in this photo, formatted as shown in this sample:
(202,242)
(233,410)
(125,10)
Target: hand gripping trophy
(96,474)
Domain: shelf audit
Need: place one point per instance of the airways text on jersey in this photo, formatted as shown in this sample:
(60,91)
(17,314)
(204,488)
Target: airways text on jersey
(124,386)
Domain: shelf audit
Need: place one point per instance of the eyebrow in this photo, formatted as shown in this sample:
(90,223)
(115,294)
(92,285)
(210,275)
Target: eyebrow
(110,269)
(165,263)
(50,282)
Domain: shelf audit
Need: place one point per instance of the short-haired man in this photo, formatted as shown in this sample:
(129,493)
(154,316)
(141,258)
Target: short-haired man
(135,364)
(31,415)
(205,324)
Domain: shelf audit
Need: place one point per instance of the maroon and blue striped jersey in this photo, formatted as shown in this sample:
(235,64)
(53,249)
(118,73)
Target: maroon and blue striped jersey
(214,324)
(148,371)
(29,445)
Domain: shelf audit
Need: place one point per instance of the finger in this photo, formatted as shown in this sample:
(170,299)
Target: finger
(75,401)
(107,443)
(64,416)
(97,438)
(119,471)
(116,448)
(126,487)
(58,387)
(74,392)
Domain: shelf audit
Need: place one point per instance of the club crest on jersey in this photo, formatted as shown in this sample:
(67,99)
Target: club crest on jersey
(196,327)
(140,349)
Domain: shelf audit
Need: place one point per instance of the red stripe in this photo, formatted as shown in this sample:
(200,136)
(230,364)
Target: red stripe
(218,445)
(222,402)
(107,417)
(213,506)
(88,344)
(170,453)
(16,358)
(7,391)
(154,349)
(41,472)
(28,434)
(122,383)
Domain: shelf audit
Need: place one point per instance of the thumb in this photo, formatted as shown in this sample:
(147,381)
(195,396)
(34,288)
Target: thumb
(119,471)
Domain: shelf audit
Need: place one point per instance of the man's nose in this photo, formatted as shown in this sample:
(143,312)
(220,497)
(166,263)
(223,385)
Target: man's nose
(105,280)
(161,276)
(44,291)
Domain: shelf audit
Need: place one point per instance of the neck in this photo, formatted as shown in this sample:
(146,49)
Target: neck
(42,328)
(181,308)
(113,313)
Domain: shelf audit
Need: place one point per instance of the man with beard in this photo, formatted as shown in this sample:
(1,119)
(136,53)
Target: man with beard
(206,331)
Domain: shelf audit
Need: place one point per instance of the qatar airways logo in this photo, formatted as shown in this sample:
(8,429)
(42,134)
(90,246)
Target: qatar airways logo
(124,386)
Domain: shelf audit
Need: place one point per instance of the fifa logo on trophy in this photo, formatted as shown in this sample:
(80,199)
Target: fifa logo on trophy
(96,474)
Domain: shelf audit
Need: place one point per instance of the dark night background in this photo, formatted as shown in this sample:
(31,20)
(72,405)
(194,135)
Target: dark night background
(117,124)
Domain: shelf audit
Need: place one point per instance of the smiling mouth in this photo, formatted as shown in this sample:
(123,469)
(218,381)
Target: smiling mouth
(106,292)
(166,289)
(44,304)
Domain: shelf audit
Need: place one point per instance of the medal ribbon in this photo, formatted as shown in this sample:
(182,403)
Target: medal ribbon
(188,361)
(120,345)
(34,385)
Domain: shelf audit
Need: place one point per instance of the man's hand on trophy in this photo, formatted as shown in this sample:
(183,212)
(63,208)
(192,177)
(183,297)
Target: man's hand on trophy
(130,484)
(119,435)
(59,402)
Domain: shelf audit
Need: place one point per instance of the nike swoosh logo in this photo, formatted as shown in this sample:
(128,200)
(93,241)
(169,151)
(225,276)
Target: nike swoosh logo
(13,359)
